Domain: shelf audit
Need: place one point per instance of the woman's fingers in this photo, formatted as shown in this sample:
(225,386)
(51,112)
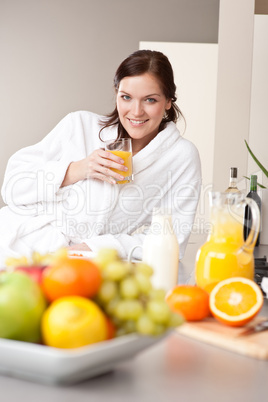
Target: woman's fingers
(110,160)
(100,164)
(103,177)
(105,173)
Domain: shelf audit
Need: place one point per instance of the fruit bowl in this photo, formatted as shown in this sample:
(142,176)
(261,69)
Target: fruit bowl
(137,303)
(45,364)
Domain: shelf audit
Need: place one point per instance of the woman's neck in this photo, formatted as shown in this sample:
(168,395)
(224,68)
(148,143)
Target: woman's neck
(139,144)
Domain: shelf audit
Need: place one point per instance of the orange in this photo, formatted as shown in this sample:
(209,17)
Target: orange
(72,322)
(111,329)
(190,301)
(69,277)
(235,301)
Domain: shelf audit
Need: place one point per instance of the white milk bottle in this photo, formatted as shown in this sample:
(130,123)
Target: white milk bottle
(161,251)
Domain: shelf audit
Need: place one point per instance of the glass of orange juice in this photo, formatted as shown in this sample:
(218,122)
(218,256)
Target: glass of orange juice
(123,149)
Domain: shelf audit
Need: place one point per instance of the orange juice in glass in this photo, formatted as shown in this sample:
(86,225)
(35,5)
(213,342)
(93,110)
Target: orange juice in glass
(226,254)
(123,149)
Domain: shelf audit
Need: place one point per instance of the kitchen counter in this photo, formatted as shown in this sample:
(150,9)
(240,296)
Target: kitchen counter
(176,369)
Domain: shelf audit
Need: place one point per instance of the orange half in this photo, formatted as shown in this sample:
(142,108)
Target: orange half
(235,301)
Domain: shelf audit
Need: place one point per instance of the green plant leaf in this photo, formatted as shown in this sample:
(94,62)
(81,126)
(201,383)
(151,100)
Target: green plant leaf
(256,160)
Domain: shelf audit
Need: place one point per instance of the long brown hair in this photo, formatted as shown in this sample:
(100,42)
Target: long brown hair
(138,63)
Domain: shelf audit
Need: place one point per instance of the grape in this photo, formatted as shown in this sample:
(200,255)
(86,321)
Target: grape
(129,288)
(115,271)
(129,300)
(157,294)
(159,329)
(158,311)
(129,326)
(121,331)
(105,256)
(128,310)
(144,283)
(36,257)
(130,267)
(135,309)
(144,269)
(121,310)
(175,320)
(111,306)
(145,325)
(107,291)
(14,262)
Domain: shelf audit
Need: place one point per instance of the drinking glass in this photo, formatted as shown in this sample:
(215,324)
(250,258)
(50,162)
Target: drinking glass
(123,149)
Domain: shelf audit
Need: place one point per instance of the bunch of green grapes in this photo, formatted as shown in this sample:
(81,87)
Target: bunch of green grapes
(129,299)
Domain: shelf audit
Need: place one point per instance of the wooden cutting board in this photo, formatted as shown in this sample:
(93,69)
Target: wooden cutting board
(214,333)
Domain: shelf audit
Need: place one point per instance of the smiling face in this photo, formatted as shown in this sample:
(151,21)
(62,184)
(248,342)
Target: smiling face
(141,105)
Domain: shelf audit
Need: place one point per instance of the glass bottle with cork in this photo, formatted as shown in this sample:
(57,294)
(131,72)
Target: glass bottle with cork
(232,188)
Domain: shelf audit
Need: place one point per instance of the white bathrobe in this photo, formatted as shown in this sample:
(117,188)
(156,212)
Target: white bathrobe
(42,216)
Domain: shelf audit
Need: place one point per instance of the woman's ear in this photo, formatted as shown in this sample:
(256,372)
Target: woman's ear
(168,104)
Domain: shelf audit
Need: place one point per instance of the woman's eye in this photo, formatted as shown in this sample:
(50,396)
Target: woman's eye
(125,97)
(151,100)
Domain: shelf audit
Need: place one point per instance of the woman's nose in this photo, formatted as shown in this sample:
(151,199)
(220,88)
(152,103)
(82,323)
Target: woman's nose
(137,109)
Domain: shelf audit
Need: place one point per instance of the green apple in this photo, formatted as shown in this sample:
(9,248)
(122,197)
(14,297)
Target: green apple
(22,304)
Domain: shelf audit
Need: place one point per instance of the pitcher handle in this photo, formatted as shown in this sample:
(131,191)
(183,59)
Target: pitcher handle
(255,225)
(132,251)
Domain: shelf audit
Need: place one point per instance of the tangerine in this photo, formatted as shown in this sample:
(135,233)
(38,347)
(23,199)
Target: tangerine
(71,277)
(190,301)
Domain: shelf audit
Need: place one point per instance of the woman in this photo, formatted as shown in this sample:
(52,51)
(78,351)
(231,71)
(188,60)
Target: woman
(62,191)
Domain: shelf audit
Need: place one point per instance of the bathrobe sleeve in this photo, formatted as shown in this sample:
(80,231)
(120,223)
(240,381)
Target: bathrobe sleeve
(35,173)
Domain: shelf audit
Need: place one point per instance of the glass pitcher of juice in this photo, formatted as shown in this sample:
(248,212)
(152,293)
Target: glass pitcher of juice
(225,253)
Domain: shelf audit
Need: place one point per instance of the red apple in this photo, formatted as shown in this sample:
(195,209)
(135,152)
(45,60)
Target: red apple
(34,271)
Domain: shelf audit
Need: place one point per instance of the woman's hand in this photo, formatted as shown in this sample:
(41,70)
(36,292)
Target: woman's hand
(95,166)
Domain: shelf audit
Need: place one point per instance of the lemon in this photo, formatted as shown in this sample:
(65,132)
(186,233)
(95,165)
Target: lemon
(72,322)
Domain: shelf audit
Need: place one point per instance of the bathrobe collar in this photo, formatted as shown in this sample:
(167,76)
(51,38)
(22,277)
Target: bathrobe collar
(163,141)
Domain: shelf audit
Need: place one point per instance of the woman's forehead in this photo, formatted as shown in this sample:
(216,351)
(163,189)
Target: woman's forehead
(146,83)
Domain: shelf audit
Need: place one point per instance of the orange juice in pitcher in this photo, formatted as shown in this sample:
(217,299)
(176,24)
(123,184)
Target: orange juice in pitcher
(225,254)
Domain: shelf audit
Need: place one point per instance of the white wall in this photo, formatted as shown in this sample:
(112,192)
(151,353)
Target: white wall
(258,135)
(236,28)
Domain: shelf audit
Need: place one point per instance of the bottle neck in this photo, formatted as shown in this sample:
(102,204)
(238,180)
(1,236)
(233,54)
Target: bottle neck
(233,182)
(253,183)
(233,177)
